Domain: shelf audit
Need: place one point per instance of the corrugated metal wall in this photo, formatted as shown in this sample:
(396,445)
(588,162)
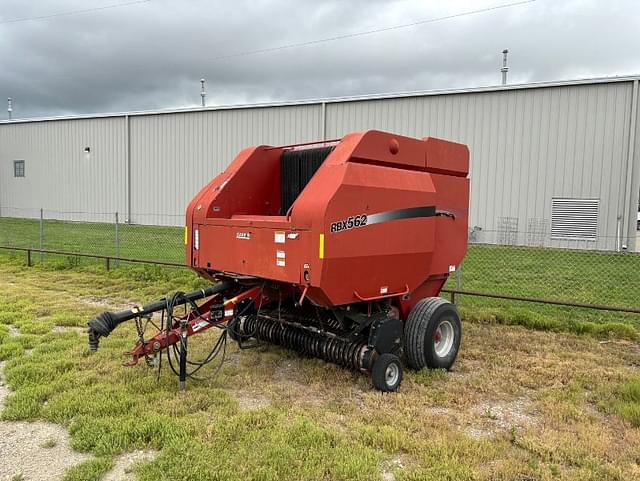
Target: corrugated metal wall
(59,175)
(634,207)
(174,155)
(527,145)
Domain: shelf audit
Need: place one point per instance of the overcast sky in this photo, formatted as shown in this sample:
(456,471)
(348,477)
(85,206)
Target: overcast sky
(152,55)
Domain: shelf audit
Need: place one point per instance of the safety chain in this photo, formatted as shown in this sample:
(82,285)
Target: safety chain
(140,330)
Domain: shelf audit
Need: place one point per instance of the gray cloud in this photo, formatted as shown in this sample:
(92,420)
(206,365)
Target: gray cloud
(152,55)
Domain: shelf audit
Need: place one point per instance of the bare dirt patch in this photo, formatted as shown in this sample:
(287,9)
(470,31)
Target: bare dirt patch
(299,383)
(250,401)
(13,331)
(106,303)
(285,371)
(387,468)
(507,415)
(79,330)
(492,416)
(22,453)
(4,390)
(123,465)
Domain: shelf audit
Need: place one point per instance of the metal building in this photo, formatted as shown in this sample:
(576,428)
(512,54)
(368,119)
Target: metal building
(554,163)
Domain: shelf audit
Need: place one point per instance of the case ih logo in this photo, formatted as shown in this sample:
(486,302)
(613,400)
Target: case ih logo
(350,223)
(243,235)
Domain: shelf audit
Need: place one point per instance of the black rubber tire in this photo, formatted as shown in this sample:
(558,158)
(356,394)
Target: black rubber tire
(379,373)
(419,331)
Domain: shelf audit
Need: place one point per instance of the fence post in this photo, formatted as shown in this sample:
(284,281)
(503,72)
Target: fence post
(117,239)
(459,278)
(41,232)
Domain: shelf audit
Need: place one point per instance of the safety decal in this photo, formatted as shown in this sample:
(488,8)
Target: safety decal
(199,325)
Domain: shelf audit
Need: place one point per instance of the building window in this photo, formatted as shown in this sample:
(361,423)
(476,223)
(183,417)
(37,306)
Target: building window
(575,219)
(18,168)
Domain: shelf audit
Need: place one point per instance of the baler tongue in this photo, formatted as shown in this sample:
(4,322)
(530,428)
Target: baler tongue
(106,322)
(336,249)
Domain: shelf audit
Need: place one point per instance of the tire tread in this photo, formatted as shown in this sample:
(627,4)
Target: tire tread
(416,328)
(379,370)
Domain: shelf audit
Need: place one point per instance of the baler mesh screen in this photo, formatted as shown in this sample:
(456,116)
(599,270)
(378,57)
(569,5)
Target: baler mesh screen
(298,166)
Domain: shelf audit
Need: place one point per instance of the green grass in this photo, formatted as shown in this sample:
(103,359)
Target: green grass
(317,421)
(589,277)
(593,277)
(9,350)
(135,241)
(581,276)
(626,401)
(49,443)
(91,470)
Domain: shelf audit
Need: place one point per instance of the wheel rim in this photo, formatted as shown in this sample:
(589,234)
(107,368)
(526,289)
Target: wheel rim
(391,374)
(443,338)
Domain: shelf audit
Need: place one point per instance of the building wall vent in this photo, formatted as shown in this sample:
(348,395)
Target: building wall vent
(575,219)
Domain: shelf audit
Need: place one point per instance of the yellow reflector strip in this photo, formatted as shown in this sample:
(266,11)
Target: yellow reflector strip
(321,252)
(185,235)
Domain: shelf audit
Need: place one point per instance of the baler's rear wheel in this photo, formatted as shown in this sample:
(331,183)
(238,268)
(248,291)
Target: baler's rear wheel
(386,373)
(432,334)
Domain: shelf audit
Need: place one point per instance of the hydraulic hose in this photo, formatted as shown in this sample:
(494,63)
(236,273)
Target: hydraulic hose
(106,322)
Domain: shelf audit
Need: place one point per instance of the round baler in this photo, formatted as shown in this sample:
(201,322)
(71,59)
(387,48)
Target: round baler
(336,249)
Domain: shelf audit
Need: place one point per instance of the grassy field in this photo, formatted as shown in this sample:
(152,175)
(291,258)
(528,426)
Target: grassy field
(577,276)
(135,241)
(520,404)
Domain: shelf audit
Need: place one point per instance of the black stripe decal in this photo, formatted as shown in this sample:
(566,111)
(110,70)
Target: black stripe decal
(410,213)
(363,220)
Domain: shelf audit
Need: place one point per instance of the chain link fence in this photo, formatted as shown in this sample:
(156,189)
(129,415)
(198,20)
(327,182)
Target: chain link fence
(502,263)
(570,275)
(106,235)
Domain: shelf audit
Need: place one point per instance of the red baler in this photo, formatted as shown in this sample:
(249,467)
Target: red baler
(335,249)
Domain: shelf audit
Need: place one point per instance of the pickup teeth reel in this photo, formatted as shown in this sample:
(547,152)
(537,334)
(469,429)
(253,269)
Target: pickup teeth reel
(355,355)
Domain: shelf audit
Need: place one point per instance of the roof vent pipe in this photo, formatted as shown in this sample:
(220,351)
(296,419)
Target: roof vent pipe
(504,68)
(203,94)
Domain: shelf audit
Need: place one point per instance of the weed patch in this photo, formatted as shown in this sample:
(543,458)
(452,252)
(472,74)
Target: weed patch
(90,470)
(9,350)
(626,402)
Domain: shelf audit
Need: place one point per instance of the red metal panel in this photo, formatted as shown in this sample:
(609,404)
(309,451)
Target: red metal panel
(444,157)
(392,212)
(375,147)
